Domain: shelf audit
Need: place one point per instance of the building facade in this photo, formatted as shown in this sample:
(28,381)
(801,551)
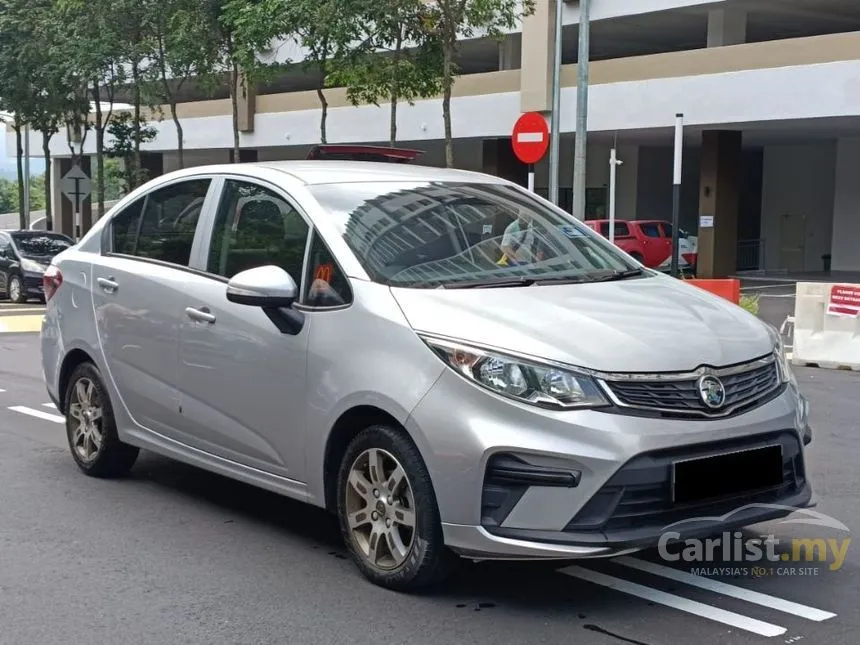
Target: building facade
(769,90)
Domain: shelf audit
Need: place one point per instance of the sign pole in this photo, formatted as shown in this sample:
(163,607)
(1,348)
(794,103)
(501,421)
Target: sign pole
(555,116)
(676,194)
(531,177)
(581,144)
(613,166)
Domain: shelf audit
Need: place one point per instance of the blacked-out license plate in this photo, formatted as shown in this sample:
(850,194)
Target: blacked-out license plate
(726,475)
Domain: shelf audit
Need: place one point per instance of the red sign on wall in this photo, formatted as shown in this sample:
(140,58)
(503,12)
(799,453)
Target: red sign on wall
(844,300)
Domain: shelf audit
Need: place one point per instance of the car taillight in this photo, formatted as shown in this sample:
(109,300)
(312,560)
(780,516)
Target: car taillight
(51,281)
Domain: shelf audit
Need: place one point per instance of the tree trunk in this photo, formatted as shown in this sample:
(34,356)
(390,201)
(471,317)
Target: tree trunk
(393,124)
(324,116)
(100,151)
(136,162)
(447,84)
(19,153)
(234,99)
(395,93)
(180,148)
(46,151)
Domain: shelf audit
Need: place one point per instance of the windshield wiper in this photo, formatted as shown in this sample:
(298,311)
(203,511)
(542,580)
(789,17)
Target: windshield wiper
(619,275)
(490,284)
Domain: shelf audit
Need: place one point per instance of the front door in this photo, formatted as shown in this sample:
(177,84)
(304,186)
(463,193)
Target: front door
(242,381)
(792,242)
(138,295)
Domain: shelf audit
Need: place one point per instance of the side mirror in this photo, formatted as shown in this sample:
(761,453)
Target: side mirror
(268,287)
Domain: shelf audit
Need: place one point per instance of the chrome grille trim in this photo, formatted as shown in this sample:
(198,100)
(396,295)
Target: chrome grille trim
(676,393)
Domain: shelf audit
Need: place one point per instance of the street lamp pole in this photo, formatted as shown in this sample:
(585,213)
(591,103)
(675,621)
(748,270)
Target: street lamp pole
(580,154)
(26,186)
(555,117)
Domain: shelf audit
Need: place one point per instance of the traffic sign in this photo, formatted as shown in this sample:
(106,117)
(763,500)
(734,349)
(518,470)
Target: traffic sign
(76,186)
(530,137)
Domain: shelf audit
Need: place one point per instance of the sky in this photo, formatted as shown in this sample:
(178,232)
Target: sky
(7,163)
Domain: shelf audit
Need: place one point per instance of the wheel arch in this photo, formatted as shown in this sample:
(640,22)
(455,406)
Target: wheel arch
(348,425)
(72,360)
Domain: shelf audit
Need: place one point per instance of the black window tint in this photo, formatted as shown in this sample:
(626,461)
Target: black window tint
(169,221)
(667,229)
(124,228)
(651,229)
(622,230)
(255,227)
(327,286)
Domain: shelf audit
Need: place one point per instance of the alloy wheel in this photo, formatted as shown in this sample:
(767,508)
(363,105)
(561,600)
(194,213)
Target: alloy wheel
(86,411)
(14,290)
(380,509)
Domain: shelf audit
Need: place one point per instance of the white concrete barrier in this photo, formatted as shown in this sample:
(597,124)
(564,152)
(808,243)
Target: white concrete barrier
(827,325)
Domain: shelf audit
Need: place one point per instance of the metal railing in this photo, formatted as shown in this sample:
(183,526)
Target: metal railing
(751,255)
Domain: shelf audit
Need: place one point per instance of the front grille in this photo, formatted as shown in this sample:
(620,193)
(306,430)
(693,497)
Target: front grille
(743,387)
(640,493)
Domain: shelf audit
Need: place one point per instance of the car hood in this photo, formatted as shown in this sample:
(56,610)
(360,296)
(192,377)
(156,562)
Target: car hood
(654,324)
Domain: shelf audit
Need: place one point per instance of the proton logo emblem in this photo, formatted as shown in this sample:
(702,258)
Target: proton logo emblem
(712,391)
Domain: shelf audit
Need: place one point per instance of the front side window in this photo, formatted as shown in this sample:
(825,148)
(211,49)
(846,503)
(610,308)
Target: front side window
(327,285)
(161,225)
(432,234)
(41,245)
(256,227)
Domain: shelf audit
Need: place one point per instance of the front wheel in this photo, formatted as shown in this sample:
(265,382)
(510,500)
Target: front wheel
(388,513)
(16,291)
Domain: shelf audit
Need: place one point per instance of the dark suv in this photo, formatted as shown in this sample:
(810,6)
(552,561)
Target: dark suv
(24,256)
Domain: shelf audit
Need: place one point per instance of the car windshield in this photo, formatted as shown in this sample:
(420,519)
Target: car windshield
(443,234)
(41,244)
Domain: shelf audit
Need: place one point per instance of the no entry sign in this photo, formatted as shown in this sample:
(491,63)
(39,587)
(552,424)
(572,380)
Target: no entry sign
(530,137)
(844,300)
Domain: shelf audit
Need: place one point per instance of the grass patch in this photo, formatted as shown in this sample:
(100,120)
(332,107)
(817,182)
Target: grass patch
(750,303)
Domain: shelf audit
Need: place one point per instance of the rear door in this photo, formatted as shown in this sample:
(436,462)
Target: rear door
(657,246)
(138,295)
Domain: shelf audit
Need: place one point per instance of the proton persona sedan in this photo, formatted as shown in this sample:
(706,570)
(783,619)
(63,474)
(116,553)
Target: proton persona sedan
(452,365)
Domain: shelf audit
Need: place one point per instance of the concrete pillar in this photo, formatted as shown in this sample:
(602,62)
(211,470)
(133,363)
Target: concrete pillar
(719,201)
(727,27)
(537,58)
(499,160)
(846,207)
(247,104)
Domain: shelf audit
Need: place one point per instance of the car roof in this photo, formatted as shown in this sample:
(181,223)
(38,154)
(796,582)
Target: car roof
(320,171)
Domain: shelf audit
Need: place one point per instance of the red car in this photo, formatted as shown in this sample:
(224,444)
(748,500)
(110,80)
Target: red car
(648,241)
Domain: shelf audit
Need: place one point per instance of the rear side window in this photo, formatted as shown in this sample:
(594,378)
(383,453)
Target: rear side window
(161,225)
(621,229)
(651,229)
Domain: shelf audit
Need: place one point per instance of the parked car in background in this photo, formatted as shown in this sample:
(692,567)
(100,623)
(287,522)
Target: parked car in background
(648,241)
(364,153)
(24,256)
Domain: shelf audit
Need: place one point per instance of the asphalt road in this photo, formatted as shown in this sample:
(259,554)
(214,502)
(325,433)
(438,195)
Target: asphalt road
(175,555)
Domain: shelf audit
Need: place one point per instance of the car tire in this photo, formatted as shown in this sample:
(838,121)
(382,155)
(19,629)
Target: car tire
(91,426)
(16,290)
(399,557)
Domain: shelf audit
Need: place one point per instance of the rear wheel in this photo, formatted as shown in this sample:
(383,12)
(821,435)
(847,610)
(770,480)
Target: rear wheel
(16,290)
(91,428)
(388,513)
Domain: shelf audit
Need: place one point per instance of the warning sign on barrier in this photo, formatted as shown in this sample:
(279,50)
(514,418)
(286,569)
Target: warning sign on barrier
(844,300)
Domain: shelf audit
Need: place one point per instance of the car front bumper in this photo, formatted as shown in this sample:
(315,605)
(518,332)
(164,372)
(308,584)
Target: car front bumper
(518,482)
(32,285)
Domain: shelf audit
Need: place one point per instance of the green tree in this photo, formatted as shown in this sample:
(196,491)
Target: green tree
(398,59)
(328,30)
(126,136)
(183,49)
(450,20)
(95,56)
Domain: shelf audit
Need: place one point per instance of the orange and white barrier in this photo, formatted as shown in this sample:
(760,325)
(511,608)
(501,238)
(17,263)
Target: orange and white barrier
(827,325)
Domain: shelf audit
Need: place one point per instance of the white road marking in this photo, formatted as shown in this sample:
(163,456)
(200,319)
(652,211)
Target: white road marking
(676,602)
(49,405)
(754,597)
(23,310)
(2,390)
(39,414)
(529,137)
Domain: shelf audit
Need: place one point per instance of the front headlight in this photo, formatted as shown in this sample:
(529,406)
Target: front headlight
(785,372)
(31,266)
(526,381)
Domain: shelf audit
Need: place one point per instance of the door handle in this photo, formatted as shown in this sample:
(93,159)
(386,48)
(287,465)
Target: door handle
(200,315)
(108,284)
